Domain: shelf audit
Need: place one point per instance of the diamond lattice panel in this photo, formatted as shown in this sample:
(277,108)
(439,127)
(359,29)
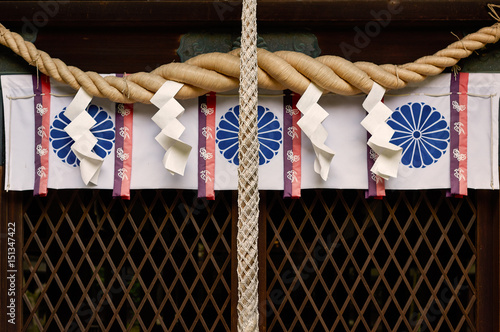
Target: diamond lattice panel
(336,261)
(160,261)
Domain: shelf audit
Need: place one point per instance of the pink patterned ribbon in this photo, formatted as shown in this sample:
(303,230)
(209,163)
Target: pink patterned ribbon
(458,134)
(291,146)
(206,145)
(124,117)
(41,89)
(376,184)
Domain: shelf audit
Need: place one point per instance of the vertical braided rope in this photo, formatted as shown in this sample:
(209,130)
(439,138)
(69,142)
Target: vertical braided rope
(248,193)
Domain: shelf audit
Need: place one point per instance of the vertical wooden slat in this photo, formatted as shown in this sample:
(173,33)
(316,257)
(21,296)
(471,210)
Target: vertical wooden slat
(234,263)
(488,261)
(262,262)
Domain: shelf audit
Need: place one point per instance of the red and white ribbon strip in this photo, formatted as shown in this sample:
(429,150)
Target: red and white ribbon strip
(206,145)
(41,89)
(458,134)
(292,157)
(376,184)
(124,116)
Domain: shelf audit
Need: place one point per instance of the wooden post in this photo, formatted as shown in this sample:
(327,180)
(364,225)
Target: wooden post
(234,263)
(488,295)
(262,262)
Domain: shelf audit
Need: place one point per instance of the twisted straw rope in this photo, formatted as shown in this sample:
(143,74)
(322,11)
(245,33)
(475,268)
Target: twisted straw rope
(280,70)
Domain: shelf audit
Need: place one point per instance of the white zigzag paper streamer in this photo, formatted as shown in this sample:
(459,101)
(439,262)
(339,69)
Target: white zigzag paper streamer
(310,123)
(387,163)
(177,152)
(79,130)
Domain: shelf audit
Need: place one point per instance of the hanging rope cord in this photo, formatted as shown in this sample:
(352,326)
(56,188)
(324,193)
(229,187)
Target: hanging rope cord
(248,175)
(280,70)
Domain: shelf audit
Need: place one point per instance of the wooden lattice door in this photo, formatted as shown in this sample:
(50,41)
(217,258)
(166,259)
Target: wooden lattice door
(339,262)
(330,261)
(160,261)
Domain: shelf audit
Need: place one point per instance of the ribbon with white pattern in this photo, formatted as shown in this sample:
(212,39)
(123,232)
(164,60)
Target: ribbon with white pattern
(310,123)
(206,145)
(389,154)
(177,152)
(459,86)
(124,118)
(292,157)
(41,89)
(376,185)
(79,130)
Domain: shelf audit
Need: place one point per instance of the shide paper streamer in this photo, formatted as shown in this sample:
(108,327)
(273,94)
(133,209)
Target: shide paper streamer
(389,154)
(310,123)
(177,152)
(79,131)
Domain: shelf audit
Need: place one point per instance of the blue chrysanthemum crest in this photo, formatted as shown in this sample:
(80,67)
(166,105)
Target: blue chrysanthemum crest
(269,134)
(422,132)
(103,130)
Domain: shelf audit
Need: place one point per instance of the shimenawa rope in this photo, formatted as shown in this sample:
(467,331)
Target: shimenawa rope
(219,72)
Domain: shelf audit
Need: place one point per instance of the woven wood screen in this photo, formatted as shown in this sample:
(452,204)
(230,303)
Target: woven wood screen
(331,261)
(159,262)
(338,262)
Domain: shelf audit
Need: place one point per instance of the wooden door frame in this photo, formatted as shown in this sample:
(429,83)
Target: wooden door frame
(153,17)
(488,281)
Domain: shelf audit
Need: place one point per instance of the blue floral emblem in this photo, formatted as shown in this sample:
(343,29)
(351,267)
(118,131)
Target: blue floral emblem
(269,135)
(103,130)
(422,132)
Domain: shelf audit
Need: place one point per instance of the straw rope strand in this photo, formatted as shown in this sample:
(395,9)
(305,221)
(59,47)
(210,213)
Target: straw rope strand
(219,72)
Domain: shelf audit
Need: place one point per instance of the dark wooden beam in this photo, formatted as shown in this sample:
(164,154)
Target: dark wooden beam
(111,50)
(220,12)
(132,36)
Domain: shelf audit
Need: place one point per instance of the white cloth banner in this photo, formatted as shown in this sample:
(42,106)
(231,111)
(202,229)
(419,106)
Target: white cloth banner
(346,137)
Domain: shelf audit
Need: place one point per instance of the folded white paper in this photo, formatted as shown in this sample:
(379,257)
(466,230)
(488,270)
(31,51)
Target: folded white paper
(389,155)
(79,131)
(310,123)
(176,151)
